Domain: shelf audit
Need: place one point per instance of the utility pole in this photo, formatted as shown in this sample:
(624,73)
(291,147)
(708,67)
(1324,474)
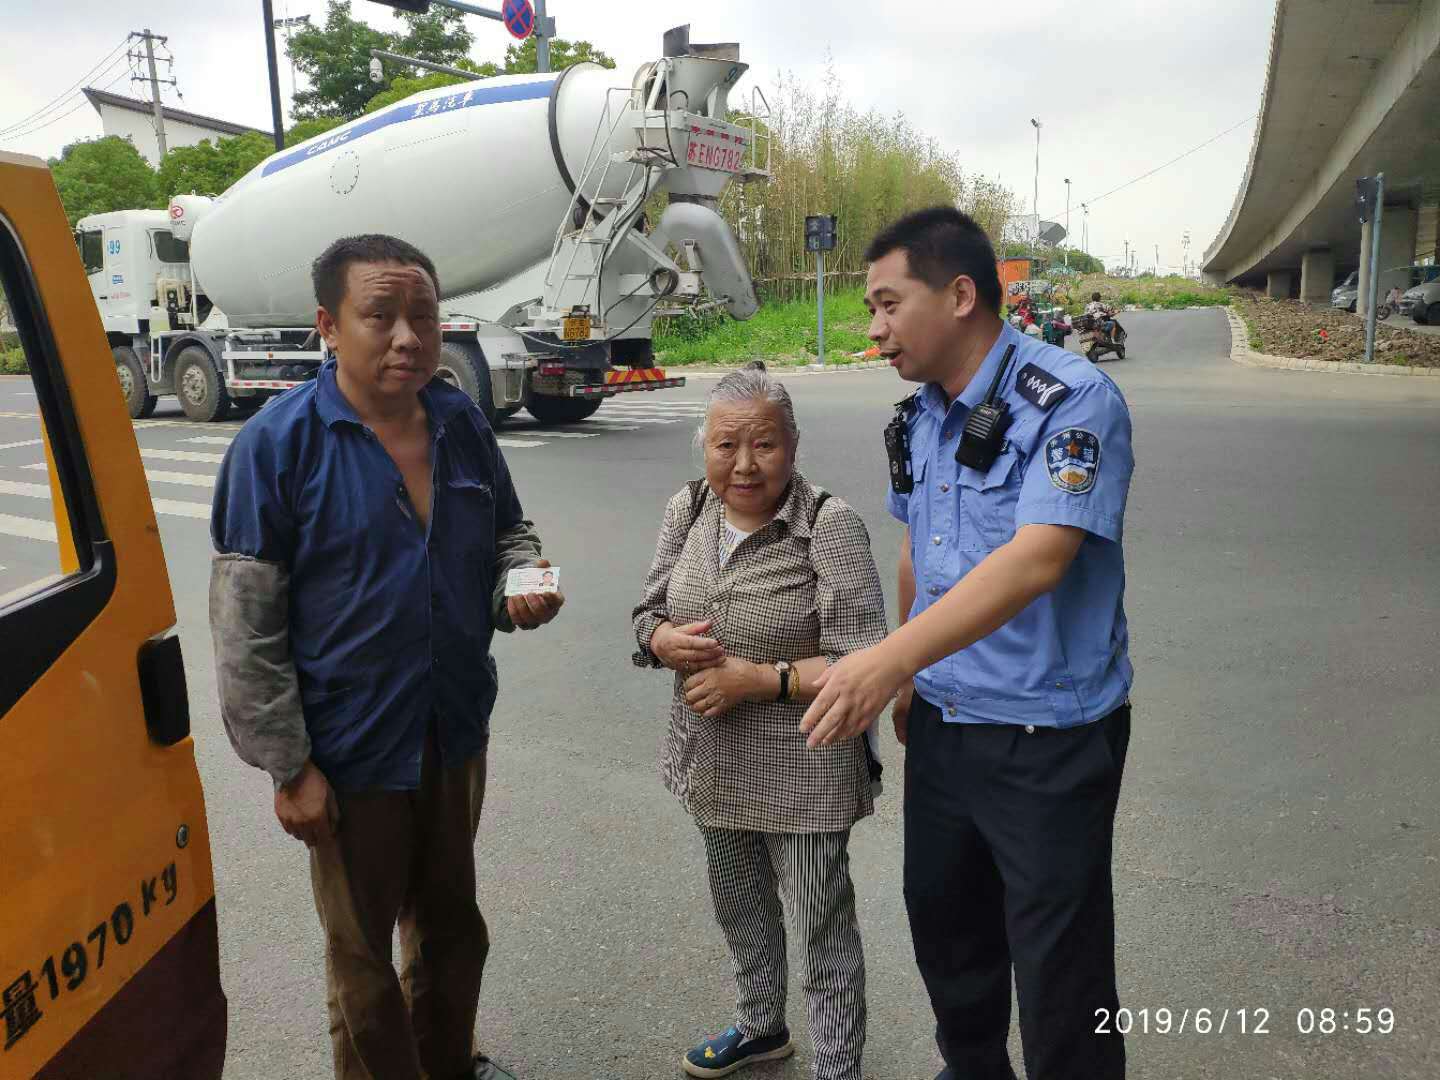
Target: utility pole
(1035,236)
(1157,260)
(155,82)
(1069,243)
(1085,228)
(286,23)
(1127,253)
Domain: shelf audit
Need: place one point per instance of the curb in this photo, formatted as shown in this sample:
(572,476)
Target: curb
(778,371)
(1241,353)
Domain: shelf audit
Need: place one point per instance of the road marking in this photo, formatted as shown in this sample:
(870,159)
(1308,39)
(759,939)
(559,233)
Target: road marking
(552,434)
(20,415)
(13,445)
(632,420)
(162,506)
(516,443)
(190,479)
(160,476)
(182,455)
(30,528)
(212,440)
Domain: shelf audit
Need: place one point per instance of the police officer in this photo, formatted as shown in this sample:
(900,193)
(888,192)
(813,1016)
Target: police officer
(1010,673)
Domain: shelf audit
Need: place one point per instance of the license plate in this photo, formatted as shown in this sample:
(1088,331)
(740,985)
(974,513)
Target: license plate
(711,151)
(575,328)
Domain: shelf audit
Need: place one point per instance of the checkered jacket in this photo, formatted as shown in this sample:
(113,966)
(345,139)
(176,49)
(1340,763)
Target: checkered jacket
(784,594)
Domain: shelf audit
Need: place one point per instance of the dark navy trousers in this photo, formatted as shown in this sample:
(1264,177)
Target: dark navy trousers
(1007,868)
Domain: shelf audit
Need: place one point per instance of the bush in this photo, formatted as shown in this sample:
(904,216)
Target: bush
(12,361)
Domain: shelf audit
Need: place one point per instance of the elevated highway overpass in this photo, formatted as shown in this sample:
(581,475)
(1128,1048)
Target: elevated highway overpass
(1352,87)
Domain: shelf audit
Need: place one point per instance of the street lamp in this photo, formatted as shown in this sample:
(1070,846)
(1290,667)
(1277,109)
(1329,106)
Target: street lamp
(1035,236)
(1069,243)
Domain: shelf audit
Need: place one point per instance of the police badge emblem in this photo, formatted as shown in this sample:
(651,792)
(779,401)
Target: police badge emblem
(1072,458)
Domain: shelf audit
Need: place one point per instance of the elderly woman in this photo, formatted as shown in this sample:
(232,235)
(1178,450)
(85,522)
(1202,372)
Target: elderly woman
(761,580)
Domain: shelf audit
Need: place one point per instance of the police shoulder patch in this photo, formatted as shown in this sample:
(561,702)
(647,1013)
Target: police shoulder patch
(1039,387)
(1072,457)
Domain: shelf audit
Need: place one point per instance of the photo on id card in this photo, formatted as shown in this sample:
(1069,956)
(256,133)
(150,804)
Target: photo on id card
(532,579)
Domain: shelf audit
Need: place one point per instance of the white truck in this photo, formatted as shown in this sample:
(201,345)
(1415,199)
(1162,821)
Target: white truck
(527,191)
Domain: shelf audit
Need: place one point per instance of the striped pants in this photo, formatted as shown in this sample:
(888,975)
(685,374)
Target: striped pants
(750,874)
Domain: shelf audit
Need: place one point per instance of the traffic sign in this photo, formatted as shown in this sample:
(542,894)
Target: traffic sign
(519,18)
(820,232)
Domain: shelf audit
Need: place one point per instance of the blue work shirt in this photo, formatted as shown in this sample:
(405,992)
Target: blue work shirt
(390,621)
(1063,660)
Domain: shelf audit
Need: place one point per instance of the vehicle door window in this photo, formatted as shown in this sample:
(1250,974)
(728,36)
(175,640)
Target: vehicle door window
(52,581)
(92,250)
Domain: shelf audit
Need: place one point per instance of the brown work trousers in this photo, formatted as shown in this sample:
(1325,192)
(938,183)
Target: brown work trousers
(405,857)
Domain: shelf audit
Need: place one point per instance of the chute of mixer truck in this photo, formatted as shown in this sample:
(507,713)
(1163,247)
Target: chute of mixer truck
(527,191)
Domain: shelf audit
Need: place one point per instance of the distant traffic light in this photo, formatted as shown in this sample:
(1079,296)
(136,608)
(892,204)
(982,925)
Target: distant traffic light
(419,7)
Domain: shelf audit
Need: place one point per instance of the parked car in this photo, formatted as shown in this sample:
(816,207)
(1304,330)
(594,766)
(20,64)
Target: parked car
(1347,292)
(1422,303)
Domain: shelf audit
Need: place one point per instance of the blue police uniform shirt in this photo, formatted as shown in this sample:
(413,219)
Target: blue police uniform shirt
(390,624)
(1063,660)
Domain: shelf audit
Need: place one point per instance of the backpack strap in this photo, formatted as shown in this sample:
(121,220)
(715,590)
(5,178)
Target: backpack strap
(699,489)
(820,498)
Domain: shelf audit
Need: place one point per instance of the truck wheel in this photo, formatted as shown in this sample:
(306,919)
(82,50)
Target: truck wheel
(199,386)
(1432,314)
(463,365)
(133,383)
(559,410)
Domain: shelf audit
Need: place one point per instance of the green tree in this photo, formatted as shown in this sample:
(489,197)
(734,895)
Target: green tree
(403,86)
(209,168)
(99,175)
(335,58)
(523,59)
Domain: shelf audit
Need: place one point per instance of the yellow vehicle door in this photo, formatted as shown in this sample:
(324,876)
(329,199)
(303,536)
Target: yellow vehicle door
(109,966)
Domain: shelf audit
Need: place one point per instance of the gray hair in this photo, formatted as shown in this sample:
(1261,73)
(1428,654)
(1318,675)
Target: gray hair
(752,383)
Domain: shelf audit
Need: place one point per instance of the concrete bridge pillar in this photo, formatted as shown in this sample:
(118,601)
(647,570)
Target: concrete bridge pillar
(1397,251)
(1278,283)
(1317,276)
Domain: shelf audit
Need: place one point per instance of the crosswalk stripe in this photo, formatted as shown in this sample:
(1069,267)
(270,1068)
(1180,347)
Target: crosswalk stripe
(162,506)
(553,434)
(212,440)
(13,445)
(30,528)
(182,455)
(190,479)
(627,419)
(513,443)
(159,476)
(20,415)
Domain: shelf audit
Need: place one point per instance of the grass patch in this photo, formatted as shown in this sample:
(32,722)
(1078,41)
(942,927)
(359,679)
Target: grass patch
(780,333)
(12,362)
(1162,294)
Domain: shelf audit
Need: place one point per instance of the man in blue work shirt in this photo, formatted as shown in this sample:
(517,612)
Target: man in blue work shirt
(363,526)
(1011,586)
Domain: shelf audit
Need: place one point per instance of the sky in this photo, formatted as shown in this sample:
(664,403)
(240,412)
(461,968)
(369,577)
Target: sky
(1117,89)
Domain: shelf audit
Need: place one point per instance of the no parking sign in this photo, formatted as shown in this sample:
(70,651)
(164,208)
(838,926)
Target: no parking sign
(519,18)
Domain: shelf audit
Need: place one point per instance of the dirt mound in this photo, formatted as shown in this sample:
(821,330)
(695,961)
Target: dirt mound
(1291,328)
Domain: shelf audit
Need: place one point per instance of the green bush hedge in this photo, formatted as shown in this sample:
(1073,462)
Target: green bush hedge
(12,361)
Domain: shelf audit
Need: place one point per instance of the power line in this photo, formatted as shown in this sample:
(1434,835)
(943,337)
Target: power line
(102,67)
(1172,161)
(56,119)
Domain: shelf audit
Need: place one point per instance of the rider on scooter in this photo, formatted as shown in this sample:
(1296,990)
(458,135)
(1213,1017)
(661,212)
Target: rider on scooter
(1103,314)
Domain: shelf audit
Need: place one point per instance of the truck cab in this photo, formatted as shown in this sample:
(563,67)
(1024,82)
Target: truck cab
(138,271)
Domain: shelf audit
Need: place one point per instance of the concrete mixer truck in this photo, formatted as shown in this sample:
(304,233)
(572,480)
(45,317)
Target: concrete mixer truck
(528,192)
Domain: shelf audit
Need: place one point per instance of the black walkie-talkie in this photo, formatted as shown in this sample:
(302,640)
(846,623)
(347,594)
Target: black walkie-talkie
(985,427)
(897,448)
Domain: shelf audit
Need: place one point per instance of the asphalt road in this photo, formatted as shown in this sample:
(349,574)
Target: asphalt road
(1277,844)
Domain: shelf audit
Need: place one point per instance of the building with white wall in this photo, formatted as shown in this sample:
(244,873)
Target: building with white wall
(133,119)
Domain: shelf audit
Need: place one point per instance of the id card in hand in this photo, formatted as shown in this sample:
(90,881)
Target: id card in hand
(532,579)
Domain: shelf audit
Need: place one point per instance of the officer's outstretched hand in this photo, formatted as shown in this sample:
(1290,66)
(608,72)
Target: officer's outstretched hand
(852,694)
